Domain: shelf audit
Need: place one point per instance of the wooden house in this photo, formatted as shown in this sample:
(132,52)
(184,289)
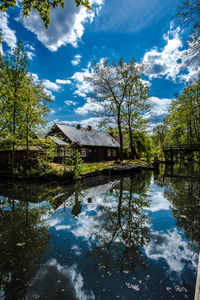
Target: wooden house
(93,145)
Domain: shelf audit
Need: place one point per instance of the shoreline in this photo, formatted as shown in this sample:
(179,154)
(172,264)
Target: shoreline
(63,179)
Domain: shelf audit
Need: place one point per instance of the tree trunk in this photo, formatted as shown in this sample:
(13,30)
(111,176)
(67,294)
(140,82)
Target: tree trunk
(120,135)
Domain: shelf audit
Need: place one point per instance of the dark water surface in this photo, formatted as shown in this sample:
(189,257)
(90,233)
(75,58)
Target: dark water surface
(133,237)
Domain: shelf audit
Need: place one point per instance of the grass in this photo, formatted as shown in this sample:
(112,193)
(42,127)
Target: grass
(98,166)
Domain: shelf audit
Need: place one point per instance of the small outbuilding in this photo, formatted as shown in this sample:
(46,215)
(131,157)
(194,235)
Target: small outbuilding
(93,145)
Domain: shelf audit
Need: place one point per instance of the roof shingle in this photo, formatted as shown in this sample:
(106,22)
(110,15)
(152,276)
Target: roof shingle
(86,137)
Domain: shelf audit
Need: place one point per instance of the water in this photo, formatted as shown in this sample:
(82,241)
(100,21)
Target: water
(133,237)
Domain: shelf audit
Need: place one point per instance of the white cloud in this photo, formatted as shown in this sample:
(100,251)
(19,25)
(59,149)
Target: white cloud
(89,107)
(158,109)
(51,85)
(67,24)
(70,102)
(30,51)
(158,202)
(70,279)
(90,121)
(164,62)
(168,61)
(8,34)
(82,87)
(77,59)
(173,248)
(63,81)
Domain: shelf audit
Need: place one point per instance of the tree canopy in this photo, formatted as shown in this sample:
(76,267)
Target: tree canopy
(188,15)
(23,102)
(43,7)
(121,94)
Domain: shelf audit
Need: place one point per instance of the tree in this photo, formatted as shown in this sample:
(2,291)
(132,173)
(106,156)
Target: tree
(43,7)
(134,107)
(184,116)
(35,109)
(23,102)
(160,133)
(188,15)
(112,84)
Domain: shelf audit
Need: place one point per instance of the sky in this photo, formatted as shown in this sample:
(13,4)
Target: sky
(64,54)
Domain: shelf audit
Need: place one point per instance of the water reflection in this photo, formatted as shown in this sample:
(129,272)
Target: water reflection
(182,190)
(126,237)
(24,236)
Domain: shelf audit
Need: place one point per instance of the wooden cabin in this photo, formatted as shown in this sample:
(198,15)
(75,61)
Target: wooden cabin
(93,145)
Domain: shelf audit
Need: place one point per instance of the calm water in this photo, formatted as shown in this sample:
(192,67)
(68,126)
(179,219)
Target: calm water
(127,238)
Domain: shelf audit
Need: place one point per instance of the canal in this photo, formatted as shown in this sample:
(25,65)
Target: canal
(130,237)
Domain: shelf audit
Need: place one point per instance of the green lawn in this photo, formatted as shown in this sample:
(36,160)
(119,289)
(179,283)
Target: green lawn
(97,166)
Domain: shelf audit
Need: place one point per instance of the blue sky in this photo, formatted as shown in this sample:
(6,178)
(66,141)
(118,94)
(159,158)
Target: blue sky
(62,55)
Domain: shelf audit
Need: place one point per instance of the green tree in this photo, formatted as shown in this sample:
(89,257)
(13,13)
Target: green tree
(134,107)
(43,7)
(112,84)
(184,116)
(160,135)
(35,109)
(23,102)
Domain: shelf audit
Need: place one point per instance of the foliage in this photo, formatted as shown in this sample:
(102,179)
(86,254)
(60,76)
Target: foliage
(188,15)
(119,89)
(43,7)
(75,161)
(24,238)
(23,102)
(184,116)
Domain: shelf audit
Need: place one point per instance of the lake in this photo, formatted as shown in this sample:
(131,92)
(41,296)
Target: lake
(130,237)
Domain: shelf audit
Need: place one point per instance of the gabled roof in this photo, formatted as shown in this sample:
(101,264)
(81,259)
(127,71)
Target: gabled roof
(86,137)
(58,141)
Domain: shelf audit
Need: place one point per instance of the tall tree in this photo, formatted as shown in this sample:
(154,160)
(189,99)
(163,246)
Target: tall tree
(184,115)
(43,7)
(23,102)
(134,107)
(111,85)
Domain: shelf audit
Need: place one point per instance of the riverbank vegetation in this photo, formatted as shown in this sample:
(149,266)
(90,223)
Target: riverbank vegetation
(123,100)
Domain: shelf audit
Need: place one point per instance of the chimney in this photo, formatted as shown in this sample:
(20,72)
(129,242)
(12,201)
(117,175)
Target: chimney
(89,128)
(78,126)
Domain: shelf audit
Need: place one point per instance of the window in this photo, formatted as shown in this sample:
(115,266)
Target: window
(109,152)
(114,153)
(83,152)
(62,152)
(68,152)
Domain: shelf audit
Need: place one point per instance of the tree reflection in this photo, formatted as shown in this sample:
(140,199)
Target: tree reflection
(185,198)
(24,236)
(123,228)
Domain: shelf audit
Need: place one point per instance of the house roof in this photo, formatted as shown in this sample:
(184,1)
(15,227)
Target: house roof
(58,141)
(86,137)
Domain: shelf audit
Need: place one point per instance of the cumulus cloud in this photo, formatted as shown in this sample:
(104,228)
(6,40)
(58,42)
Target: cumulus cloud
(63,81)
(164,62)
(67,24)
(82,87)
(89,107)
(50,87)
(159,109)
(173,248)
(167,61)
(71,283)
(77,59)
(70,102)
(30,51)
(8,34)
